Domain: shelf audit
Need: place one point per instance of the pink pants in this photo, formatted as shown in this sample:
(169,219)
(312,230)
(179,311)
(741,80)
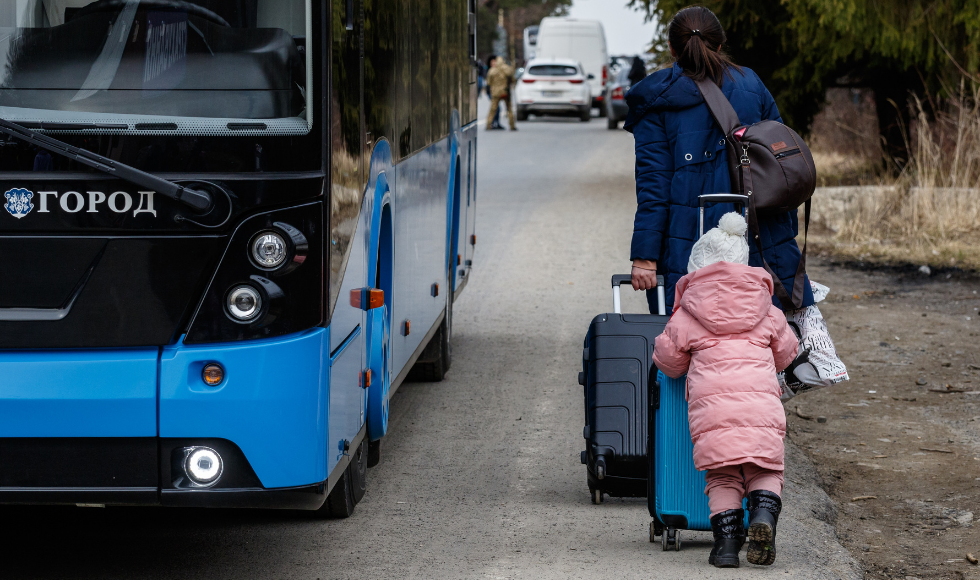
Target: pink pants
(728,485)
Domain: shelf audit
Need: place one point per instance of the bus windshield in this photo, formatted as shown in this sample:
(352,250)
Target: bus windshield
(199,67)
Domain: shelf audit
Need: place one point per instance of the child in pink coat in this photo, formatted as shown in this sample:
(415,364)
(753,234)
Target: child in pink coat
(728,337)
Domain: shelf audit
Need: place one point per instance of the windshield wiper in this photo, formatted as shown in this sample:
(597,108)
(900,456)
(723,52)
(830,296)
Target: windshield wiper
(199,200)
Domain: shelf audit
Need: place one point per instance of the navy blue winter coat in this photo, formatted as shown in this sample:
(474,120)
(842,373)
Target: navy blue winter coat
(680,154)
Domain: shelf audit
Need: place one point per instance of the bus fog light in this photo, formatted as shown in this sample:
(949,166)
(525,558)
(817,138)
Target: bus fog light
(268,250)
(213,374)
(244,303)
(202,465)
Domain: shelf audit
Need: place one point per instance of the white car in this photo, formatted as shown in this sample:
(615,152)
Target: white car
(583,41)
(554,87)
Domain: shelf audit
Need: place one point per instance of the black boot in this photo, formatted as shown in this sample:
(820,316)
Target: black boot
(764,508)
(729,531)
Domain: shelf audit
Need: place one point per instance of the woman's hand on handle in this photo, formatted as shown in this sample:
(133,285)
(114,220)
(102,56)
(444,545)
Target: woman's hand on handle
(644,275)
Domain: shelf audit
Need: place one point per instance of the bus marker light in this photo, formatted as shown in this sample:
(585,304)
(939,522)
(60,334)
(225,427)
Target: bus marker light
(268,250)
(202,465)
(435,290)
(473,239)
(367,298)
(244,303)
(366,379)
(213,374)
(408,327)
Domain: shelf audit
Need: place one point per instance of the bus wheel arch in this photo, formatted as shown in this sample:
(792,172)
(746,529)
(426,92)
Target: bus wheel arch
(380,336)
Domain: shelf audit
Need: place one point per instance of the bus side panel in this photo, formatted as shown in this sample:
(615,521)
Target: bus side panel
(347,398)
(346,401)
(419,213)
(270,403)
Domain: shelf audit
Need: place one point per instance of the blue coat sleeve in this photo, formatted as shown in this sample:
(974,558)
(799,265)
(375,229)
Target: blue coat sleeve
(654,172)
(770,112)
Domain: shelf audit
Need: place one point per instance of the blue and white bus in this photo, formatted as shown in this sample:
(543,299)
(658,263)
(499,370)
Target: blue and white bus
(231,229)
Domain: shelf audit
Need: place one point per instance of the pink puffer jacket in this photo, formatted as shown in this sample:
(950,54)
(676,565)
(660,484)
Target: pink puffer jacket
(728,337)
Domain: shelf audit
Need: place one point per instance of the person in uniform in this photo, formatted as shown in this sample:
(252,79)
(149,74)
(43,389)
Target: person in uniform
(500,79)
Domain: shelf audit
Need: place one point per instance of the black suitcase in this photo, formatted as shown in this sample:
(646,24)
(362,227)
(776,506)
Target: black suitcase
(617,367)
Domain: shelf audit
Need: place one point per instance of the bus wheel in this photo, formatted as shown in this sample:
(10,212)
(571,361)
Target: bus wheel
(447,325)
(340,502)
(351,487)
(435,360)
(358,471)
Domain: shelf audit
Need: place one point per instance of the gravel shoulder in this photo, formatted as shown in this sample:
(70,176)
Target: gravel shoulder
(900,449)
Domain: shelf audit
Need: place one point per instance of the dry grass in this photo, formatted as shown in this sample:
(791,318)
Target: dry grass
(844,139)
(930,214)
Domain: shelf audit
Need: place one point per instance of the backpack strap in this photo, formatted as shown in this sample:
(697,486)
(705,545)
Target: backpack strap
(799,279)
(721,110)
(727,119)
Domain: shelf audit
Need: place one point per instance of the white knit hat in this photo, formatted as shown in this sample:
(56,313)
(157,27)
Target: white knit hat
(725,243)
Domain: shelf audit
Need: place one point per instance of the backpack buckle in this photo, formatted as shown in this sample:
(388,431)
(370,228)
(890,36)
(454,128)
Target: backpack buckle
(744,160)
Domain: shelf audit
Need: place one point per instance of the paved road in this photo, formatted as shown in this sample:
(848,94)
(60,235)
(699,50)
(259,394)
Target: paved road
(480,476)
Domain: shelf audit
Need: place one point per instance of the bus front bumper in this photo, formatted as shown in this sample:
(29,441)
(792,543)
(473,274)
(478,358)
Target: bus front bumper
(116,426)
(134,471)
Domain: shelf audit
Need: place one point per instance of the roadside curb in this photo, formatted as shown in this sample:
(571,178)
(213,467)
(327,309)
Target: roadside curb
(809,517)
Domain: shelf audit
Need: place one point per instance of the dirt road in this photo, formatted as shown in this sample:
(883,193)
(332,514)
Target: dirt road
(900,449)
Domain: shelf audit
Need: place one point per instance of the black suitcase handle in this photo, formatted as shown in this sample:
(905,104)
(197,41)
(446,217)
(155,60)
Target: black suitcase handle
(620,279)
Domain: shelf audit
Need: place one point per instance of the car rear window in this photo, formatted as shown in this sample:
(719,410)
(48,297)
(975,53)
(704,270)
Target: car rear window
(553,70)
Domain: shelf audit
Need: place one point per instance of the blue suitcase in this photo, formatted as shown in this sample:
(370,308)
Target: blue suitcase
(675,489)
(675,493)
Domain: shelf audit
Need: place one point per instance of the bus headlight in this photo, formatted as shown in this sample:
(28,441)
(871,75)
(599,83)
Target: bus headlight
(268,250)
(202,465)
(243,303)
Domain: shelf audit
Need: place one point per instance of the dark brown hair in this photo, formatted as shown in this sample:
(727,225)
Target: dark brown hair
(696,36)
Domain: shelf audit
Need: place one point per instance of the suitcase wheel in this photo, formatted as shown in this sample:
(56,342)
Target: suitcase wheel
(596,495)
(656,530)
(671,538)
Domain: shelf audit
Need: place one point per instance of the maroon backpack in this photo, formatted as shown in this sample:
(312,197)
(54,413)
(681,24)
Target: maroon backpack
(769,163)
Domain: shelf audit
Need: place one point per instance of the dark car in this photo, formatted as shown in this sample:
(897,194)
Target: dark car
(616,107)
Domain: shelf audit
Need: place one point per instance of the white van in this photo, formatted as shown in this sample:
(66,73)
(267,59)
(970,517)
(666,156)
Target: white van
(583,41)
(530,42)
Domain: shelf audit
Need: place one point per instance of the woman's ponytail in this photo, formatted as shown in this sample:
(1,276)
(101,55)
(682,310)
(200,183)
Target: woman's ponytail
(696,36)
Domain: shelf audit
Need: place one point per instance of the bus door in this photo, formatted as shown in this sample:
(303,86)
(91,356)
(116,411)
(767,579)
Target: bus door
(348,180)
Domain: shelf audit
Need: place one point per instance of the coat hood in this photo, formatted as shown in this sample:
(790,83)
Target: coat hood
(726,298)
(667,89)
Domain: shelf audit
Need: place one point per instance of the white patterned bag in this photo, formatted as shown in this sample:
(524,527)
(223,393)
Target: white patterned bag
(817,364)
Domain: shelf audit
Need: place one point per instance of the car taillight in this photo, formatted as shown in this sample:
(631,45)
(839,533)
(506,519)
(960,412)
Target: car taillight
(617,94)
(528,81)
(575,81)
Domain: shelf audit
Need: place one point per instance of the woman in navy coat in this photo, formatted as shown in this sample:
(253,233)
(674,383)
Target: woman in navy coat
(680,154)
